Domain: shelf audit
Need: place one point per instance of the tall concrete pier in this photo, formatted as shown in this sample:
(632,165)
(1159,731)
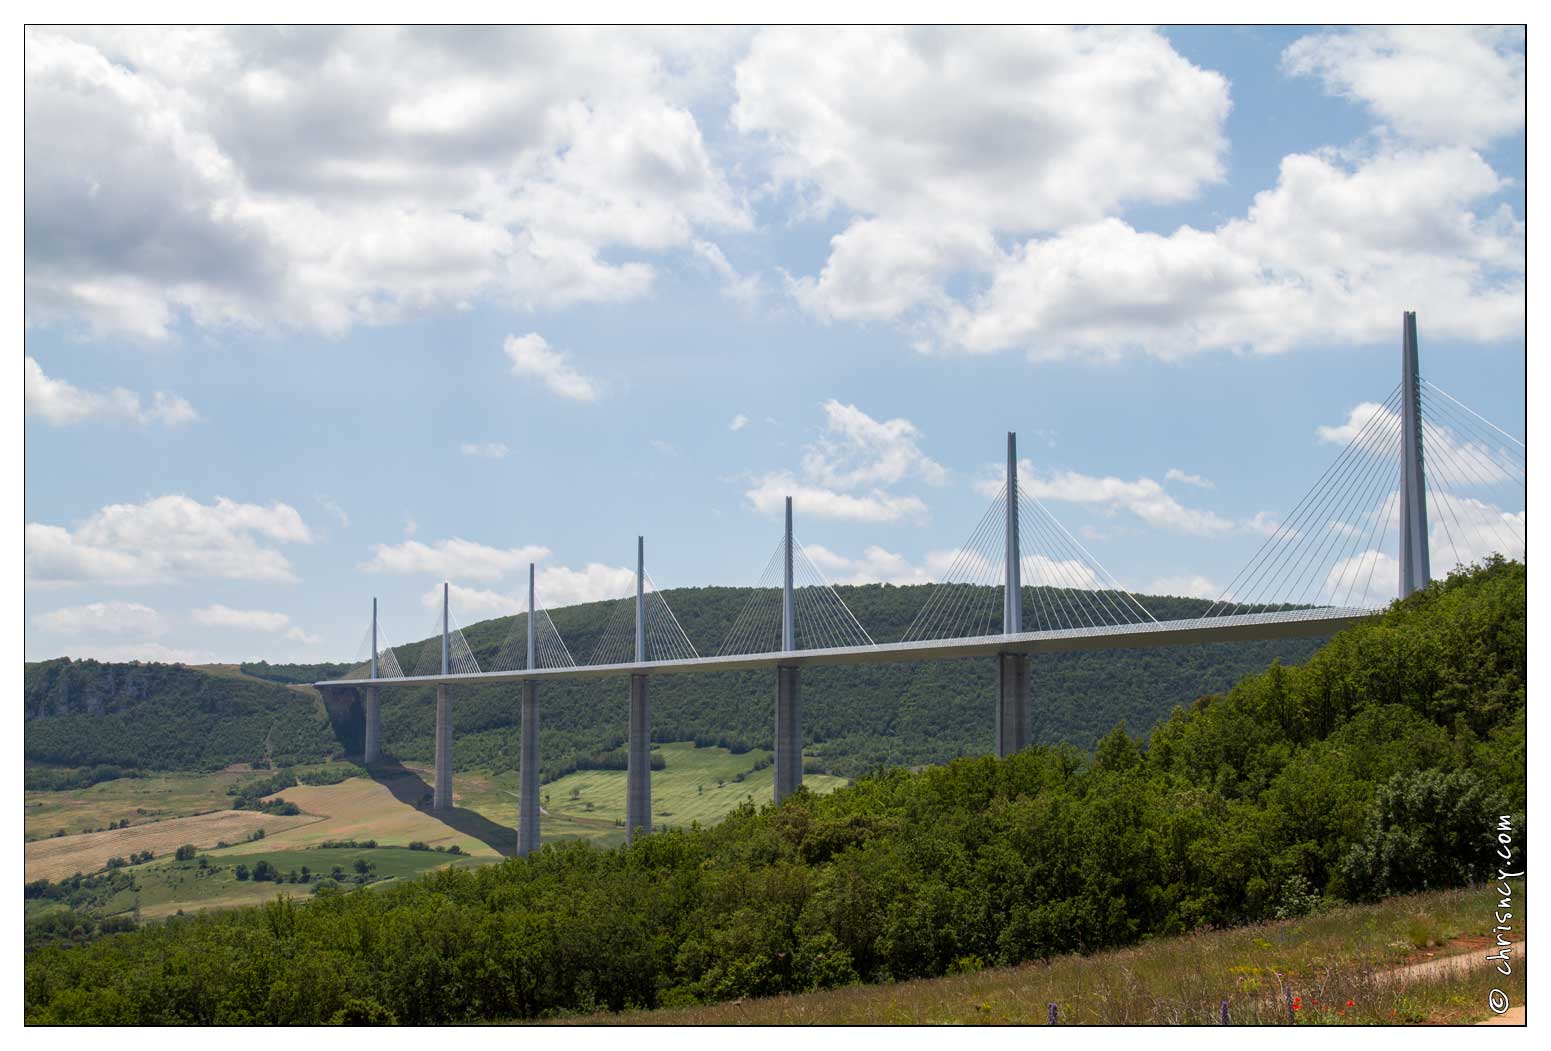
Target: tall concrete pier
(1415,571)
(528,772)
(788,713)
(441,791)
(1012,717)
(371,749)
(638,776)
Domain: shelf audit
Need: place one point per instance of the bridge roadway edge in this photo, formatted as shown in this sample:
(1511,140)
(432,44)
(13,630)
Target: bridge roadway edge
(1250,628)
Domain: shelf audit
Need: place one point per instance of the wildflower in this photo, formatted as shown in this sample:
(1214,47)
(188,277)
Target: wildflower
(1351,1003)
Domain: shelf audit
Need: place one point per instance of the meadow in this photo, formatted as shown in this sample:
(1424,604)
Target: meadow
(167,886)
(1414,959)
(137,800)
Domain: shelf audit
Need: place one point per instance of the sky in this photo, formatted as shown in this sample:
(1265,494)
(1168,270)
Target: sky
(316,316)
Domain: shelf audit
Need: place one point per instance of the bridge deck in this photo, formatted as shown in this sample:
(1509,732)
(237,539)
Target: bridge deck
(1243,628)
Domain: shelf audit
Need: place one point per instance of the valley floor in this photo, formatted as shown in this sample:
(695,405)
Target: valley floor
(164,812)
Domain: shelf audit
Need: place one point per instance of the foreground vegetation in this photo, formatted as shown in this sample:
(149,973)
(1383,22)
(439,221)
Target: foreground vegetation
(1351,965)
(1379,767)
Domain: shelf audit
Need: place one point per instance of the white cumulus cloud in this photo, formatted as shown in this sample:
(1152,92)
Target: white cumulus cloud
(260,620)
(849,470)
(453,558)
(1324,256)
(487,450)
(1445,84)
(1144,497)
(556,586)
(62,404)
(533,358)
(319,178)
(1175,474)
(166,539)
(986,213)
(768,496)
(103,618)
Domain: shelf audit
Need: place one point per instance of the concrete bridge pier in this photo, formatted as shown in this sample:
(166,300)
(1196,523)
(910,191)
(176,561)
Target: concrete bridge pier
(638,777)
(528,772)
(528,766)
(788,714)
(371,750)
(638,766)
(441,791)
(1012,714)
(788,732)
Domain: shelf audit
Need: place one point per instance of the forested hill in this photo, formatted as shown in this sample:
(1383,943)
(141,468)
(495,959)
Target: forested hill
(1385,764)
(165,717)
(855,718)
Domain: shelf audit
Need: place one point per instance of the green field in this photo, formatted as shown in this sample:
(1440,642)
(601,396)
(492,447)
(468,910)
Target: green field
(697,785)
(164,887)
(138,800)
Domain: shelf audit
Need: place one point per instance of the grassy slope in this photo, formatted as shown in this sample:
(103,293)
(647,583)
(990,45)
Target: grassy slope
(1348,953)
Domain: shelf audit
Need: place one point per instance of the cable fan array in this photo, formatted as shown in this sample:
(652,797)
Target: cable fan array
(1063,587)
(549,648)
(1338,548)
(460,658)
(1474,481)
(823,620)
(665,638)
(1335,552)
(387,661)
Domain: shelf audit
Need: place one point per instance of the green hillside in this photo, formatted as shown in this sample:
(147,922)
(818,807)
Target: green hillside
(165,717)
(856,719)
(1383,765)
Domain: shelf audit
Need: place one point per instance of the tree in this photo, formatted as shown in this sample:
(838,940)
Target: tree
(185,852)
(1117,751)
(1426,830)
(242,872)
